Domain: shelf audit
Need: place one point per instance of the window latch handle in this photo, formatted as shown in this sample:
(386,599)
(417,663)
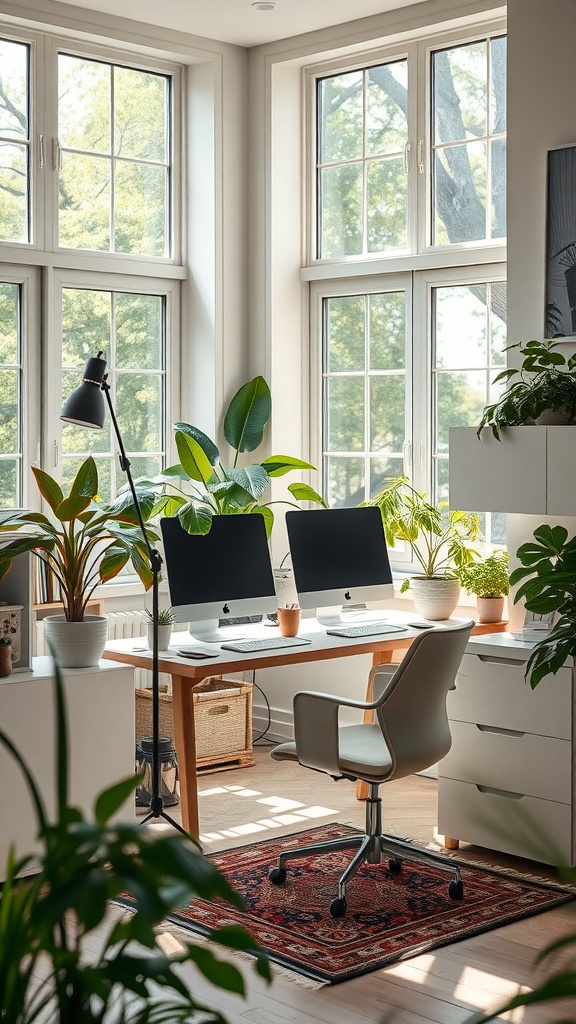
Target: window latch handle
(41,151)
(407,458)
(56,155)
(406,157)
(421,156)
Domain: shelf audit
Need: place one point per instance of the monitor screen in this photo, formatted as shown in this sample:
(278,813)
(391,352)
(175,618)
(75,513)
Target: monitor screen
(339,556)
(224,574)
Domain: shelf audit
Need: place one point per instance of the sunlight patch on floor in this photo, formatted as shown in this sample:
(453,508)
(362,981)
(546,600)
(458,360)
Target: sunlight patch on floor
(304,816)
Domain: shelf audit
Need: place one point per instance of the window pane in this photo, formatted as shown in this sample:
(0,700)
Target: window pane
(341,210)
(460,193)
(344,482)
(498,323)
(345,329)
(387,413)
(14,192)
(460,399)
(387,331)
(139,404)
(441,470)
(461,326)
(382,473)
(460,93)
(14,105)
(139,332)
(10,396)
(498,187)
(498,84)
(84,104)
(84,198)
(386,108)
(140,128)
(345,407)
(387,205)
(140,226)
(340,117)
(86,325)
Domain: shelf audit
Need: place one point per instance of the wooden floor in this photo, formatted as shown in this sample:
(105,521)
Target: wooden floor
(447,985)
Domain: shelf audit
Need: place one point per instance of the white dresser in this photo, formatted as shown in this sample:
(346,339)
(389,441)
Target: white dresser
(508,780)
(100,706)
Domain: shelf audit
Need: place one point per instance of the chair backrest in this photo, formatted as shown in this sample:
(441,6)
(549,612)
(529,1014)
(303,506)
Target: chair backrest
(412,714)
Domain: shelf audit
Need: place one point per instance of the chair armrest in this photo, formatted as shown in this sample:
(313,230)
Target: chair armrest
(316,728)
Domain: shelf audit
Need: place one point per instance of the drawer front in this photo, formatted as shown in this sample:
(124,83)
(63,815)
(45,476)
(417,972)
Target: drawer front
(520,762)
(493,692)
(527,827)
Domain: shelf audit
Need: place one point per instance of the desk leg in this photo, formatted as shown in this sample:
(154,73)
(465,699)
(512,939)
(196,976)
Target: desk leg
(380,658)
(185,742)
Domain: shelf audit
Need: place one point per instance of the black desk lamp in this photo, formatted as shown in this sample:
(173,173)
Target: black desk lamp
(85,408)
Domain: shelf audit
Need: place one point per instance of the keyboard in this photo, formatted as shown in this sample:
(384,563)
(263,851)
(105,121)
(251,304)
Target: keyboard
(272,643)
(369,629)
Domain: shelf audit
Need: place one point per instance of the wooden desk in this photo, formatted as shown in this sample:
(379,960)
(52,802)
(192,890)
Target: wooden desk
(187,673)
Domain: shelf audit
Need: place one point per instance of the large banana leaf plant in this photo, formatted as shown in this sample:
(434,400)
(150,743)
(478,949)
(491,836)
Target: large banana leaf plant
(200,486)
(84,542)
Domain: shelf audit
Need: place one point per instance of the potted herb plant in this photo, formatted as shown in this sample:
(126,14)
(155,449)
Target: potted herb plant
(547,574)
(201,486)
(543,390)
(5,656)
(440,543)
(67,955)
(488,579)
(83,543)
(165,623)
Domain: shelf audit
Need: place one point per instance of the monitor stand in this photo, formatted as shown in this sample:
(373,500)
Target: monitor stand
(206,631)
(349,615)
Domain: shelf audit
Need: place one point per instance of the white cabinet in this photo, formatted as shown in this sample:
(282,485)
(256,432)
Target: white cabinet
(530,471)
(100,706)
(508,781)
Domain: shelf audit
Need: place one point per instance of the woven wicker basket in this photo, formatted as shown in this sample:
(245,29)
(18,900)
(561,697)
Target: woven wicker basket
(223,721)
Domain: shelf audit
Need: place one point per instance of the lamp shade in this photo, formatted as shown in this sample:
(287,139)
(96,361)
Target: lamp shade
(85,407)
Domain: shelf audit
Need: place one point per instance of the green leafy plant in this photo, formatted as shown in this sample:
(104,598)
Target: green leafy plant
(440,540)
(548,572)
(5,641)
(488,577)
(50,922)
(84,542)
(545,381)
(165,616)
(216,490)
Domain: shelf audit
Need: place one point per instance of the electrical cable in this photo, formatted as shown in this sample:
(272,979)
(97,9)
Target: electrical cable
(262,734)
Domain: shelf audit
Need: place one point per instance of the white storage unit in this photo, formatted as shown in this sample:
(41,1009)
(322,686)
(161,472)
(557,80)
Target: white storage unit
(508,780)
(530,471)
(100,706)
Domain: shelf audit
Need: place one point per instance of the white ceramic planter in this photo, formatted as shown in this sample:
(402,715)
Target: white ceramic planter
(435,597)
(490,609)
(77,644)
(164,634)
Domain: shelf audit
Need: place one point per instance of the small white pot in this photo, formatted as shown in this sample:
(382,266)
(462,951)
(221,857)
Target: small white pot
(77,644)
(435,597)
(490,609)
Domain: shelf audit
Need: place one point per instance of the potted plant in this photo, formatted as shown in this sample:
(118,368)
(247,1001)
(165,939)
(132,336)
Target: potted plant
(5,655)
(542,390)
(212,489)
(488,579)
(165,623)
(83,543)
(66,955)
(548,572)
(440,543)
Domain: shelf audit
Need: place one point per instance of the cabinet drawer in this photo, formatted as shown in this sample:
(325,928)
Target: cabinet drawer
(492,691)
(524,827)
(520,762)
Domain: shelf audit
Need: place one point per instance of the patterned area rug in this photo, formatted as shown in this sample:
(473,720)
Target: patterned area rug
(389,917)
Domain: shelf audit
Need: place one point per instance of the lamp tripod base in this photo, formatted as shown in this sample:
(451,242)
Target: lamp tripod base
(157,811)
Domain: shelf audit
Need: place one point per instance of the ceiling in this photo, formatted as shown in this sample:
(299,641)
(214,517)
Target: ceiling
(237,21)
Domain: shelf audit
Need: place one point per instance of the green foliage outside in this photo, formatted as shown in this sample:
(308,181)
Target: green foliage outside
(201,487)
(64,956)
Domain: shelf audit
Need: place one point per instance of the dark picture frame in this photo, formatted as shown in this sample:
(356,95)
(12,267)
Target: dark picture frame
(561,243)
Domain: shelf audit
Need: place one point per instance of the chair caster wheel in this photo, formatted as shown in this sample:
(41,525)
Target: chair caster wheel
(338,907)
(277,876)
(456,890)
(395,866)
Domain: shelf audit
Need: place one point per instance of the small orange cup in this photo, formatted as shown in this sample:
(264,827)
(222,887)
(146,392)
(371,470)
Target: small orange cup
(289,621)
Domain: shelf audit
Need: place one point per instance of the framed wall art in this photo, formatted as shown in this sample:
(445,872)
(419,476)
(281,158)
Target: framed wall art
(561,242)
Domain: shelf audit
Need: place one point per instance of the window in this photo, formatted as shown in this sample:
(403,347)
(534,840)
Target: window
(408,300)
(88,187)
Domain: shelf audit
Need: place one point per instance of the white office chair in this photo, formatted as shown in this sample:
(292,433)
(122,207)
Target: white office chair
(411,733)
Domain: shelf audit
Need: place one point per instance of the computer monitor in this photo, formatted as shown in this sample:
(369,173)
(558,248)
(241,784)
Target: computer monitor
(340,560)
(225,573)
